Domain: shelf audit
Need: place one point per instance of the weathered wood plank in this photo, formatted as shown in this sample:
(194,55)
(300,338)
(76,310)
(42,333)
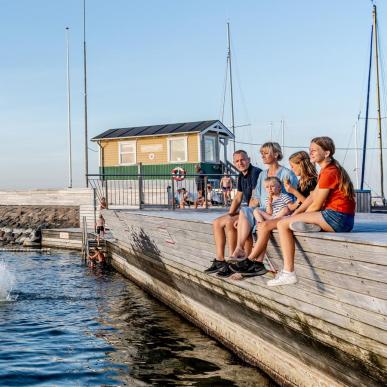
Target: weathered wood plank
(166,259)
(239,339)
(328,310)
(348,250)
(260,306)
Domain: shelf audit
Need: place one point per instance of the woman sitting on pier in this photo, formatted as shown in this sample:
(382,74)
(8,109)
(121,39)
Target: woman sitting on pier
(331,207)
(303,168)
(271,154)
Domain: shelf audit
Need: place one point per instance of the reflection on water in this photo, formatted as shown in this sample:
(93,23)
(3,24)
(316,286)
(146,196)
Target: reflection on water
(74,325)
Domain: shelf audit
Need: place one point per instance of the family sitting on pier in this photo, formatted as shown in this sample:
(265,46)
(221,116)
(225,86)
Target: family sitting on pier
(288,200)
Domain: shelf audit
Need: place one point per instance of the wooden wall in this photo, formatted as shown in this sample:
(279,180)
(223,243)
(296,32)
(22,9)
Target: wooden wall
(111,149)
(329,329)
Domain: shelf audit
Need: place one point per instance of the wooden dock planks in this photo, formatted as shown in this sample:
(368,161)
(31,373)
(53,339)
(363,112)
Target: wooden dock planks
(339,302)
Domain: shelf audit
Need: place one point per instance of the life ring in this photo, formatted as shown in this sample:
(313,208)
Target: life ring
(178,173)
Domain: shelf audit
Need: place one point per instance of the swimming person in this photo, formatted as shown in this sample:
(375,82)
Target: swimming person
(331,207)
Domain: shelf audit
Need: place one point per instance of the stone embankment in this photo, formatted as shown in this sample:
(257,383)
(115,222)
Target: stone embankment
(22,225)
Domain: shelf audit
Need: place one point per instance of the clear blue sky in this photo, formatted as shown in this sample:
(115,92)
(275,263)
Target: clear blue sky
(152,62)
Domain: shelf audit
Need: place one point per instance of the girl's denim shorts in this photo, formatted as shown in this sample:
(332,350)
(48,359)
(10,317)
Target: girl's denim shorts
(339,221)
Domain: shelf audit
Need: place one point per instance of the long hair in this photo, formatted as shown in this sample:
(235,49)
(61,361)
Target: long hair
(275,148)
(308,170)
(345,183)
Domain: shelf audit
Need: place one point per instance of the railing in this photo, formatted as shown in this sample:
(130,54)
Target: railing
(141,190)
(85,239)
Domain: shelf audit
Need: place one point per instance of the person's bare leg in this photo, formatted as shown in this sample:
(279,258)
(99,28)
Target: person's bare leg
(248,245)
(287,237)
(222,226)
(244,230)
(264,230)
(231,233)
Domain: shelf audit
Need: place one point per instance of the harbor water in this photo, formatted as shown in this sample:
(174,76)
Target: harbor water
(64,323)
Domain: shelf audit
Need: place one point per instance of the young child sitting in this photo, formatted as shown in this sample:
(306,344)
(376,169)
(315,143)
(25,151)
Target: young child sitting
(200,200)
(276,204)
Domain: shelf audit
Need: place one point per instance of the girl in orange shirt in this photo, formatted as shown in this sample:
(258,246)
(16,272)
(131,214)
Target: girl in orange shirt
(331,207)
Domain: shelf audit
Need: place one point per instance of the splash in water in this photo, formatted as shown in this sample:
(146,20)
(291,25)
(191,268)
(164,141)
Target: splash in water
(7,281)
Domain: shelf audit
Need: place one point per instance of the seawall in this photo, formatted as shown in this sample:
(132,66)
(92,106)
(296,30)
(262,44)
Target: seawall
(80,198)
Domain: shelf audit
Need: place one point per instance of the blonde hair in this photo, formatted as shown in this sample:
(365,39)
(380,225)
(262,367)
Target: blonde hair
(308,170)
(274,179)
(274,148)
(345,183)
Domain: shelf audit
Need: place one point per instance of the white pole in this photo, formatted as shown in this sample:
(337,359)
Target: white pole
(356,158)
(283,136)
(69,108)
(271,130)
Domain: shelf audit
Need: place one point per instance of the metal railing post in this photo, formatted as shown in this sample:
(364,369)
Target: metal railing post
(205,191)
(140,186)
(106,193)
(173,193)
(95,205)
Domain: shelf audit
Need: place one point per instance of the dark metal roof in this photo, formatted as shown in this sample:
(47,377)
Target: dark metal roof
(157,130)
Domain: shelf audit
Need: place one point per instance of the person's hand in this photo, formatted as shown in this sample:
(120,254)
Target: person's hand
(236,223)
(288,187)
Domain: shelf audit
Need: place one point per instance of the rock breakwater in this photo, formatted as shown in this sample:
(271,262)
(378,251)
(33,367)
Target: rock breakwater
(22,225)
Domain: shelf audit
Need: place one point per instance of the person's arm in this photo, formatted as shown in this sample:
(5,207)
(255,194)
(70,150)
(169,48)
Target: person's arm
(293,191)
(92,257)
(305,204)
(255,200)
(269,205)
(283,212)
(320,195)
(236,203)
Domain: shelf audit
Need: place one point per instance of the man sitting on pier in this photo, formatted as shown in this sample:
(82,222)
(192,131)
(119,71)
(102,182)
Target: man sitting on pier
(224,225)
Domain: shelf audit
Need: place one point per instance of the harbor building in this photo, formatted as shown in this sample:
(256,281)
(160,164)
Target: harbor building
(159,149)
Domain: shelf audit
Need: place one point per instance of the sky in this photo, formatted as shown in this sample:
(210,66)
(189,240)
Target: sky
(155,62)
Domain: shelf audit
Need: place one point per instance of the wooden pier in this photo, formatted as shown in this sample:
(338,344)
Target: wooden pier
(329,329)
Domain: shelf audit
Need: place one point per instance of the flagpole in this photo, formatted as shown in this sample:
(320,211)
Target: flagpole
(70,185)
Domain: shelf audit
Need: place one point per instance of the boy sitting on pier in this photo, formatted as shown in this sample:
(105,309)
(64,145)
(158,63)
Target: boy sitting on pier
(276,203)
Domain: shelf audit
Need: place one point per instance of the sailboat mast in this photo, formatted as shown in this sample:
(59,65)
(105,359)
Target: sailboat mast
(378,102)
(231,89)
(366,115)
(85,95)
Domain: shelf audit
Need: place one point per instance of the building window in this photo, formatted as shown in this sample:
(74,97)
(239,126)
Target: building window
(209,149)
(127,152)
(177,149)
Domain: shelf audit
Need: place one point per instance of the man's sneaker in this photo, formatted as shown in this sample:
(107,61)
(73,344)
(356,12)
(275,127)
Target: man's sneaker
(283,279)
(304,227)
(232,259)
(215,266)
(241,265)
(249,268)
(224,271)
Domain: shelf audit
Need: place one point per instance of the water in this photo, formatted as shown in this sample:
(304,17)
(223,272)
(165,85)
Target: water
(7,281)
(66,324)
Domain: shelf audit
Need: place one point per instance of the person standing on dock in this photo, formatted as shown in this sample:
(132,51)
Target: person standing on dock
(100,228)
(223,227)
